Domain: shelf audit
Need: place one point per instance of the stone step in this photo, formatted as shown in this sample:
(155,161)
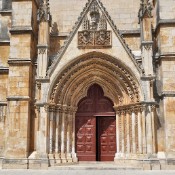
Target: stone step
(94,166)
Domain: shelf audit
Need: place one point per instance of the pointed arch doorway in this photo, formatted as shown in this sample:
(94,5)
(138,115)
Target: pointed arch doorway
(95,127)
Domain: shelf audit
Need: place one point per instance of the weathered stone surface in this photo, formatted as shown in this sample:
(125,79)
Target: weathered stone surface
(45,71)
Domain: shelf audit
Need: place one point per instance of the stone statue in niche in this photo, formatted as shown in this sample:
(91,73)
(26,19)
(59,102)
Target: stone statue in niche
(95,15)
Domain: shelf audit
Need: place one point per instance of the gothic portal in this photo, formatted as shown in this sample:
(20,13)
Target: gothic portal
(87,81)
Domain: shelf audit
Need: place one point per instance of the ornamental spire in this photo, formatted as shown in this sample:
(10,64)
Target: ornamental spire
(145,9)
(44,11)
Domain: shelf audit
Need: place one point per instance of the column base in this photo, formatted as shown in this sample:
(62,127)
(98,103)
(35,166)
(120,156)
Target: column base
(63,158)
(57,158)
(119,156)
(69,158)
(74,157)
(51,159)
(161,155)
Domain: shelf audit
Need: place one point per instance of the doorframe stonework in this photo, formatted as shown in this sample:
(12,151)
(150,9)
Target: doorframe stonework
(71,85)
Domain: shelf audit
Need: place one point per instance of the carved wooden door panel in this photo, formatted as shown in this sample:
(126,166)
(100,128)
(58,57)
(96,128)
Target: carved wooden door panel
(106,138)
(86,138)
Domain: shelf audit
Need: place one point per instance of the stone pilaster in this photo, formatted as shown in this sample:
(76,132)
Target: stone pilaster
(19,93)
(44,19)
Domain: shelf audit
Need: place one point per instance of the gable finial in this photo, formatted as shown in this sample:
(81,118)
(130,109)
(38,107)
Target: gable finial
(44,11)
(145,9)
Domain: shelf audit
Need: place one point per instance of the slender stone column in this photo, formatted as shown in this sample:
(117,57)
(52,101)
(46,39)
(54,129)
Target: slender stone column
(133,132)
(149,130)
(69,116)
(36,135)
(51,134)
(74,156)
(51,115)
(57,135)
(118,144)
(153,107)
(140,145)
(144,130)
(123,132)
(43,138)
(63,134)
(128,131)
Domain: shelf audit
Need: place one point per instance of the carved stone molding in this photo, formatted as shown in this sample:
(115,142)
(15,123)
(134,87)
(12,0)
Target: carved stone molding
(41,51)
(38,84)
(83,64)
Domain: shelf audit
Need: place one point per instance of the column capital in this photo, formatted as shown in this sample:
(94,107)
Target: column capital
(153,108)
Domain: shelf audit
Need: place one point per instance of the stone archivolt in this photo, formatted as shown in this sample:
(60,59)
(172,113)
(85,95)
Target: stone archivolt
(122,86)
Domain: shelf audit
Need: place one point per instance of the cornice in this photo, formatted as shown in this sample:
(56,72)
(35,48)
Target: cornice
(4,69)
(164,22)
(21,29)
(18,98)
(19,61)
(4,12)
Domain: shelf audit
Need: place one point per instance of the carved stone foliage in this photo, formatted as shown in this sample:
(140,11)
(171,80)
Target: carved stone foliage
(94,32)
(145,9)
(44,11)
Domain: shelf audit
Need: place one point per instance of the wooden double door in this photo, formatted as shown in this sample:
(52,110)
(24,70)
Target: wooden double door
(95,127)
(95,138)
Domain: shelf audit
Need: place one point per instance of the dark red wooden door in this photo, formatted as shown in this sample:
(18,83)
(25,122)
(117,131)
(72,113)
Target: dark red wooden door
(88,132)
(85,138)
(106,138)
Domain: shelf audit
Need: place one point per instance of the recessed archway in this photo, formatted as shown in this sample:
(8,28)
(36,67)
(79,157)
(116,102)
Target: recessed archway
(118,83)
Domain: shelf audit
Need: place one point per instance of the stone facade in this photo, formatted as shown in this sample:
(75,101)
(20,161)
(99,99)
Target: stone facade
(49,60)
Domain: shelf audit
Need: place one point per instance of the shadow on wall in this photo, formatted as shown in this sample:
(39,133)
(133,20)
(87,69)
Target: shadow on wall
(6,4)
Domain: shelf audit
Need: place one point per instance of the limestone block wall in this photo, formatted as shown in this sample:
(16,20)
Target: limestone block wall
(65,13)
(169,126)
(19,95)
(167,39)
(3,86)
(166,9)
(2,127)
(22,13)
(4,54)
(168,74)
(20,46)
